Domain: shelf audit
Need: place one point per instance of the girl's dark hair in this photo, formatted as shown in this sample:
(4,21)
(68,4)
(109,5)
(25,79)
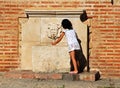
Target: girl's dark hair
(66,24)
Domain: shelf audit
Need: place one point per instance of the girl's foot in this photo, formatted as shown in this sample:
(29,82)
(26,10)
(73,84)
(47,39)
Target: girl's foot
(73,72)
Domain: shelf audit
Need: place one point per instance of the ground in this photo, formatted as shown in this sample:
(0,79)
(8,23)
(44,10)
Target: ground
(36,83)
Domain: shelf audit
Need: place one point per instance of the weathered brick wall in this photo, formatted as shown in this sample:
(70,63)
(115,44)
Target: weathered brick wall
(105,28)
(106,39)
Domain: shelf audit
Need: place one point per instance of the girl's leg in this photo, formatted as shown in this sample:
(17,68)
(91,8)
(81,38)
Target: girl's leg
(72,56)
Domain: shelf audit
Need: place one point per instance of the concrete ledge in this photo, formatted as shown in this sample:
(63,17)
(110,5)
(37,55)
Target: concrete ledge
(89,76)
(85,76)
(45,76)
(74,77)
(19,74)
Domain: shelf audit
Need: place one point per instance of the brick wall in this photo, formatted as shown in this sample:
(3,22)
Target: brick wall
(104,39)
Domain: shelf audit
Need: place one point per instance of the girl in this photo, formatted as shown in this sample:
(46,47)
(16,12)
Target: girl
(73,44)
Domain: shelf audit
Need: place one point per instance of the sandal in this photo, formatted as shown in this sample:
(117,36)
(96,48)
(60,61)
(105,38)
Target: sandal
(73,72)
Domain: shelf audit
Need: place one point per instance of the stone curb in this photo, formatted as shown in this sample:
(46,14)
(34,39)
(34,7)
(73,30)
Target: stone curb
(85,76)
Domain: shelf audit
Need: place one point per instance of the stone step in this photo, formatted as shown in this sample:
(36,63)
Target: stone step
(85,76)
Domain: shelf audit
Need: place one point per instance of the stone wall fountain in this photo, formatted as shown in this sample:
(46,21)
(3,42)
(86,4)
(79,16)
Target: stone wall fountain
(38,30)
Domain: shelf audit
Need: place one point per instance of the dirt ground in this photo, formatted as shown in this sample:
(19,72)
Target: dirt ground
(36,83)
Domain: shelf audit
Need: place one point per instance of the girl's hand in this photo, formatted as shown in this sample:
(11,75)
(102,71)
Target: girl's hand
(53,43)
(58,39)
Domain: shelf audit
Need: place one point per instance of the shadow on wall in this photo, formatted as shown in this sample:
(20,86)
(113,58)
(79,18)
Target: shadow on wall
(83,18)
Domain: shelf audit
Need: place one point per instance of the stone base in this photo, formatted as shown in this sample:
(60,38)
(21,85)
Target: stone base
(90,76)
(85,76)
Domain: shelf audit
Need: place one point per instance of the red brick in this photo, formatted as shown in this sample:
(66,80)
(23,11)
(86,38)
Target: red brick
(89,9)
(91,2)
(75,2)
(12,59)
(100,13)
(45,76)
(70,6)
(99,26)
(113,40)
(106,16)
(100,6)
(106,9)
(55,76)
(28,75)
(13,75)
(47,2)
(65,2)
(9,67)
(106,30)
(114,13)
(55,6)
(114,26)
(113,60)
(117,17)
(4,70)
(107,23)
(41,76)
(107,2)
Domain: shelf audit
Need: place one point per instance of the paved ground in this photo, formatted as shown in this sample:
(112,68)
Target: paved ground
(35,83)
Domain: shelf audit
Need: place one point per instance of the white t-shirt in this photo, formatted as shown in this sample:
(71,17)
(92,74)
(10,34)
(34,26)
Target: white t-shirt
(71,39)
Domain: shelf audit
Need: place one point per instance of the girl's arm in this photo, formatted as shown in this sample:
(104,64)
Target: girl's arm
(58,39)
